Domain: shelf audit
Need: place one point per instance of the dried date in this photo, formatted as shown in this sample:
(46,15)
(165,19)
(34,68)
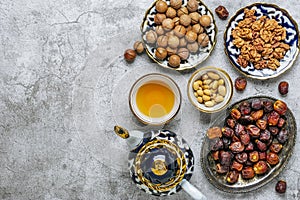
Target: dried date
(280,107)
(222,12)
(221,169)
(236,147)
(225,158)
(260,167)
(241,157)
(280,186)
(248,173)
(283,87)
(272,158)
(283,136)
(240,83)
(232,177)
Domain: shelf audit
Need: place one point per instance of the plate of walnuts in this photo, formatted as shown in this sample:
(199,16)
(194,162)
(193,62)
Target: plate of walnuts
(249,144)
(178,34)
(262,41)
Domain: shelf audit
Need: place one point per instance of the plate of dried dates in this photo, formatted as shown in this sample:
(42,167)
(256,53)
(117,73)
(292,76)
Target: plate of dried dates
(249,144)
(179,34)
(262,41)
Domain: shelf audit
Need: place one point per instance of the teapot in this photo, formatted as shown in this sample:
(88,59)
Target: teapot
(160,162)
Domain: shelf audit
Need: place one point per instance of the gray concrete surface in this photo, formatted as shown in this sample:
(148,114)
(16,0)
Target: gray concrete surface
(63,84)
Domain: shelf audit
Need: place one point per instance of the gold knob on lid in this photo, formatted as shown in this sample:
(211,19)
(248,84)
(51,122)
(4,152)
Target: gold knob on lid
(159,167)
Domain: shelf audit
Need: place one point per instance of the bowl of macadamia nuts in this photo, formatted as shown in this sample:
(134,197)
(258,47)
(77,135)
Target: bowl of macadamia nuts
(178,34)
(210,89)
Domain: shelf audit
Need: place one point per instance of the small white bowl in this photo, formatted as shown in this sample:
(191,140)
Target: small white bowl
(159,79)
(227,83)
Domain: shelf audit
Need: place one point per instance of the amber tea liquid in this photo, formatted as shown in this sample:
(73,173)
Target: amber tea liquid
(155,100)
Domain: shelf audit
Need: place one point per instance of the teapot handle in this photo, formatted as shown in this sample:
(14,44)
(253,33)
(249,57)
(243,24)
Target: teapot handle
(192,190)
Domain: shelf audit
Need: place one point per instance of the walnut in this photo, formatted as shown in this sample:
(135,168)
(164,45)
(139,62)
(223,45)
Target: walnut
(277,55)
(246,56)
(246,33)
(280,32)
(280,50)
(261,64)
(275,45)
(236,32)
(265,35)
(254,55)
(247,48)
(273,64)
(238,42)
(285,46)
(258,44)
(258,41)
(270,24)
(246,23)
(241,61)
(267,50)
(249,13)
(263,19)
(276,39)
(255,34)
(257,25)
(259,47)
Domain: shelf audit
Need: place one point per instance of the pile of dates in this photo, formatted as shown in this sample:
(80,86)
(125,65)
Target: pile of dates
(251,139)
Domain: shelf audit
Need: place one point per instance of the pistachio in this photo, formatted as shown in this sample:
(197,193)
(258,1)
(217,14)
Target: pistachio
(215,85)
(209,103)
(204,77)
(196,85)
(213,75)
(200,82)
(219,98)
(222,90)
(200,92)
(214,91)
(200,99)
(221,82)
(213,96)
(206,98)
(207,81)
(207,92)
(205,86)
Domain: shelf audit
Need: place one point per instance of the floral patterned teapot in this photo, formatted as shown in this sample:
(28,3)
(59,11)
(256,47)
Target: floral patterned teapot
(160,162)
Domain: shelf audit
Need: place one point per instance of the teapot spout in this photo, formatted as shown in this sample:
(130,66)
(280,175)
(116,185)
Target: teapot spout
(122,132)
(134,139)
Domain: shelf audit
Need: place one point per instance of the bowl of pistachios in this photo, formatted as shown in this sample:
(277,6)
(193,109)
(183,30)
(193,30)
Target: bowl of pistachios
(210,89)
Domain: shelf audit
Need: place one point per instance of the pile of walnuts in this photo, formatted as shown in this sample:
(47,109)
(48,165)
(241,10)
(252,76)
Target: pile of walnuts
(261,41)
(178,31)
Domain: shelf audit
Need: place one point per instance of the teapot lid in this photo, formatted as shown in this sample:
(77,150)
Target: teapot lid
(161,164)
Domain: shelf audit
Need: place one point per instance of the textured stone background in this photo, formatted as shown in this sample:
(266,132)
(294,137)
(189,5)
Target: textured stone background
(61,65)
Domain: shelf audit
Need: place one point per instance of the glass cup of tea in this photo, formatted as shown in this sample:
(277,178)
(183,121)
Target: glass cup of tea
(155,99)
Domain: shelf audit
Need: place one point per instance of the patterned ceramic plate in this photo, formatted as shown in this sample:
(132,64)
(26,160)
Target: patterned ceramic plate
(243,185)
(194,59)
(292,39)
